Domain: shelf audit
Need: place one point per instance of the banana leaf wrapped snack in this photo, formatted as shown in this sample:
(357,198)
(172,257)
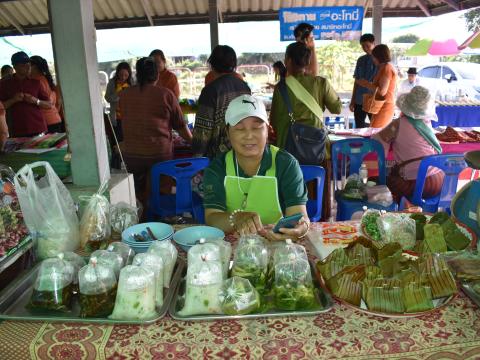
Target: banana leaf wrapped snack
(454,238)
(436,271)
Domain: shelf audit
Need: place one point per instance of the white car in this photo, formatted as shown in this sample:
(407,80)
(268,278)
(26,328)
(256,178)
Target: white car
(451,79)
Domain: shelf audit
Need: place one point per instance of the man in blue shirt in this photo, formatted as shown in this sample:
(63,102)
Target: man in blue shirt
(365,69)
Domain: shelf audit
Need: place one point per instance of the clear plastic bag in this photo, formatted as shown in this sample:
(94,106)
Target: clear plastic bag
(53,287)
(123,250)
(155,263)
(225,253)
(95,224)
(77,262)
(168,252)
(369,224)
(109,259)
(135,295)
(238,297)
(395,228)
(122,216)
(293,288)
(48,210)
(203,252)
(354,189)
(98,289)
(250,261)
(379,194)
(283,253)
(204,280)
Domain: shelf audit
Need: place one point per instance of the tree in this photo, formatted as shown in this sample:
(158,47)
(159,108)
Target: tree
(472,18)
(407,38)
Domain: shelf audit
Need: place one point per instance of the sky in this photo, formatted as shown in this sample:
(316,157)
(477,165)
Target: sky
(193,40)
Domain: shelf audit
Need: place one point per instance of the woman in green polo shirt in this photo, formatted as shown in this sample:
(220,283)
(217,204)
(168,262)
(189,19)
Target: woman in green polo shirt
(254,184)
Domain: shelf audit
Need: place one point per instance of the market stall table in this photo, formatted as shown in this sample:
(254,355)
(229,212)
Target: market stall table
(457,115)
(342,332)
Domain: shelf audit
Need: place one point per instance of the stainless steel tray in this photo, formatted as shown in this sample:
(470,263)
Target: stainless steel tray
(15,297)
(323,298)
(467,289)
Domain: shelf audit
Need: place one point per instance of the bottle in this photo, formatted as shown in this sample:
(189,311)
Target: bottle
(363,173)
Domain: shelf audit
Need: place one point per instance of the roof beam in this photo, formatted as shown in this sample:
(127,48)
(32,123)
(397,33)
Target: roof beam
(7,15)
(424,7)
(452,3)
(147,12)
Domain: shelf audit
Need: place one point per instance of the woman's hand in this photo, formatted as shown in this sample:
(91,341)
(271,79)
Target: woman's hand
(297,232)
(248,222)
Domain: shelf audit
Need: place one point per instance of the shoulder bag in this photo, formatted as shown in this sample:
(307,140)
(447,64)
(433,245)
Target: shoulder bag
(372,103)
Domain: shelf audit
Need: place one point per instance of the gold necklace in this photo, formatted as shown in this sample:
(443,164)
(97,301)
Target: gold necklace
(245,194)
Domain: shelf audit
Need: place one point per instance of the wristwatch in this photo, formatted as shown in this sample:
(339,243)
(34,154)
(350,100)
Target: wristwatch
(38,102)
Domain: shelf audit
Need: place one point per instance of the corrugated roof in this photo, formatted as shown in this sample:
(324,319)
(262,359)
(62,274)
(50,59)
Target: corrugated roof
(31,16)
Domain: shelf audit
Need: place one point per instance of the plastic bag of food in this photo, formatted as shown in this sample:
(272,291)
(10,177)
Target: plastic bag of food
(135,295)
(250,261)
(395,228)
(122,216)
(98,289)
(369,224)
(293,288)
(203,284)
(168,252)
(123,250)
(53,287)
(283,253)
(238,297)
(354,189)
(155,263)
(77,262)
(95,224)
(465,265)
(225,253)
(109,259)
(48,211)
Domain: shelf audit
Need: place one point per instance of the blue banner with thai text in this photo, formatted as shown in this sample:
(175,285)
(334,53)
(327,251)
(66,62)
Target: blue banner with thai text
(330,22)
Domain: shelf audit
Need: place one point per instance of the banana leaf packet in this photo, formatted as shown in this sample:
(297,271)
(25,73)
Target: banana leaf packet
(98,305)
(420,221)
(435,269)
(385,295)
(455,239)
(417,297)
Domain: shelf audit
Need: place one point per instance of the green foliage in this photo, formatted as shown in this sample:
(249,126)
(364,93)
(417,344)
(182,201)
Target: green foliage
(407,38)
(259,58)
(472,18)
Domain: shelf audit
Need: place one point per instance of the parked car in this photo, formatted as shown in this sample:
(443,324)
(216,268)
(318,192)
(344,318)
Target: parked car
(450,79)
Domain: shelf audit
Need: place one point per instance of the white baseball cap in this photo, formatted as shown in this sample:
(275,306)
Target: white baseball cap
(245,106)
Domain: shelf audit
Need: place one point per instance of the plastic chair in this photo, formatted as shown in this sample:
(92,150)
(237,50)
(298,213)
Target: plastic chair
(355,151)
(317,173)
(185,200)
(452,165)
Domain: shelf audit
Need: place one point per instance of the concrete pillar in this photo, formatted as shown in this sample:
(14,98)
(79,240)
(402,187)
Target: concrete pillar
(213,17)
(75,54)
(377,15)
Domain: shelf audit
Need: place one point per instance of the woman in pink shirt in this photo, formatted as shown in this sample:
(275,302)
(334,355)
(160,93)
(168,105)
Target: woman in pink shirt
(412,138)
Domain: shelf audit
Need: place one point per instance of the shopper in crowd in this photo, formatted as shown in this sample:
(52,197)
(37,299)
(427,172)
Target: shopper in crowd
(365,69)
(303,32)
(297,59)
(3,128)
(149,113)
(166,78)
(6,72)
(41,72)
(383,84)
(410,82)
(411,137)
(280,72)
(209,134)
(24,98)
(254,184)
(120,81)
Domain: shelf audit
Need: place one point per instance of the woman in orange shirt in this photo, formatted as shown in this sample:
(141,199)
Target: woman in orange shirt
(166,78)
(385,81)
(41,72)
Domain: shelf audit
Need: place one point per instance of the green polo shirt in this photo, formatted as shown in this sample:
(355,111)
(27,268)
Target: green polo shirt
(291,188)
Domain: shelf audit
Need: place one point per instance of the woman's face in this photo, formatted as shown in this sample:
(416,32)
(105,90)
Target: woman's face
(160,63)
(249,137)
(122,75)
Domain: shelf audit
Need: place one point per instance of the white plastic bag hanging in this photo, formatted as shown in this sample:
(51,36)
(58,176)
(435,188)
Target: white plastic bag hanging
(48,210)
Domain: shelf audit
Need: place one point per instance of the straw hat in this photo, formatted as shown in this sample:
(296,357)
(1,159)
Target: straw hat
(418,104)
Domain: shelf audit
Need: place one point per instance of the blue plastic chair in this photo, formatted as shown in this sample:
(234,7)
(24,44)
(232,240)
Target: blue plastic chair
(185,200)
(452,165)
(355,151)
(317,173)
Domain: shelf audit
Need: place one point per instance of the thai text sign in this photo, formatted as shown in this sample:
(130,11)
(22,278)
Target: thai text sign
(331,23)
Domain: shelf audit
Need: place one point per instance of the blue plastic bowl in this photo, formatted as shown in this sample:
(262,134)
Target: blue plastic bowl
(160,230)
(187,237)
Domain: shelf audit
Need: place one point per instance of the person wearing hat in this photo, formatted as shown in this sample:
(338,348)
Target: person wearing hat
(412,138)
(410,82)
(24,97)
(254,184)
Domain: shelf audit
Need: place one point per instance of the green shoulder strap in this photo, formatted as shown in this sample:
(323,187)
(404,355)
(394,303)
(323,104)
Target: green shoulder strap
(304,96)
